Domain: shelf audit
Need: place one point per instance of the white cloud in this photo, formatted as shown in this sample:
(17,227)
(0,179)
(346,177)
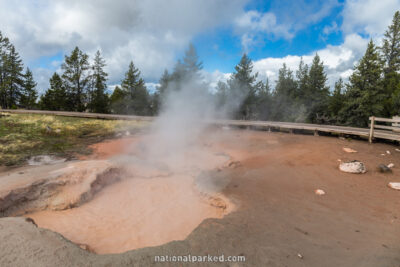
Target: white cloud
(368,16)
(338,60)
(330,28)
(252,23)
(150,33)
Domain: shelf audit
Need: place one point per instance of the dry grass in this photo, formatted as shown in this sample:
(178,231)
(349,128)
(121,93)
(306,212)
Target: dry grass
(25,135)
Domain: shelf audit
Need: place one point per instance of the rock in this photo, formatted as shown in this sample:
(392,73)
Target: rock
(349,150)
(388,152)
(394,185)
(390,165)
(48,129)
(234,164)
(383,168)
(30,220)
(44,160)
(353,167)
(299,255)
(319,192)
(398,150)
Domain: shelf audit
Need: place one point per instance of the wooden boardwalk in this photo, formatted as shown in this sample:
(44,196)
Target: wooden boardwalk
(265,125)
(315,128)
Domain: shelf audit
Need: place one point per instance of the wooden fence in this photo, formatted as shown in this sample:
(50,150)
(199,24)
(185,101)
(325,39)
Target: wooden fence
(394,128)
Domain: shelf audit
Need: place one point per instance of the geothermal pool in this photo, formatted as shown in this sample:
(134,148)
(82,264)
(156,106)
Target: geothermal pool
(152,202)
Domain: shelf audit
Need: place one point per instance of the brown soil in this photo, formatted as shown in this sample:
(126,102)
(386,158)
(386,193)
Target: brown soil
(277,217)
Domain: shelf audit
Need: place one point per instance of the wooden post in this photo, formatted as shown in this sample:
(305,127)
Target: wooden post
(371,130)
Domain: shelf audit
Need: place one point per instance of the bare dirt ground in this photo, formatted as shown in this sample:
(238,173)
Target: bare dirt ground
(278,219)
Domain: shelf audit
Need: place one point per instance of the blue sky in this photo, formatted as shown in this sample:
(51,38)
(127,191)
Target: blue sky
(155,33)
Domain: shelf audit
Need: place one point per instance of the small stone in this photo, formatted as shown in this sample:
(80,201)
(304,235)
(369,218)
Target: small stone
(398,150)
(390,165)
(349,150)
(319,192)
(395,186)
(383,168)
(388,152)
(299,255)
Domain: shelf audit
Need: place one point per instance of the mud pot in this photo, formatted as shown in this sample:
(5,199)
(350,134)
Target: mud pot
(115,201)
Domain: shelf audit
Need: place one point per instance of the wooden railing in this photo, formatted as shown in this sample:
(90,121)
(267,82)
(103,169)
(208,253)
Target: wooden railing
(395,125)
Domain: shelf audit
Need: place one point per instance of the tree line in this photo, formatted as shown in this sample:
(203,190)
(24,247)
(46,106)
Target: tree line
(300,96)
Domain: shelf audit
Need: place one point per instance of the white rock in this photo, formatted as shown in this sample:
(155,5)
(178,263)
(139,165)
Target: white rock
(352,167)
(319,192)
(395,186)
(44,160)
(390,165)
(349,150)
(388,152)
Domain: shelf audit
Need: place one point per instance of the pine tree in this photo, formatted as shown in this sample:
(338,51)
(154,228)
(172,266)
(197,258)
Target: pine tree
(221,94)
(76,78)
(56,97)
(98,100)
(187,72)
(117,101)
(391,57)
(317,95)
(264,100)
(136,97)
(161,91)
(11,74)
(336,102)
(29,94)
(302,81)
(242,88)
(365,94)
(285,106)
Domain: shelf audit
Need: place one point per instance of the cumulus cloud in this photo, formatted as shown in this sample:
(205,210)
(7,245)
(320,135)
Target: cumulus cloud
(150,33)
(368,16)
(338,60)
(252,26)
(252,23)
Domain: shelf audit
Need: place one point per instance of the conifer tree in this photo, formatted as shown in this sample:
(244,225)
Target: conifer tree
(76,78)
(56,97)
(285,106)
(29,94)
(336,102)
(316,97)
(11,74)
(365,94)
(242,88)
(117,101)
(133,97)
(391,57)
(98,100)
